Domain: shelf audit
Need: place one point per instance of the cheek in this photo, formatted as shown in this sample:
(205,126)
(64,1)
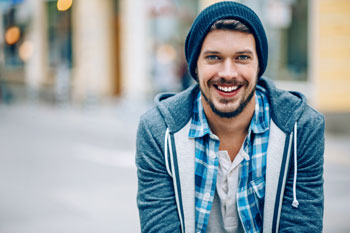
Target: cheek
(205,71)
(202,80)
(250,72)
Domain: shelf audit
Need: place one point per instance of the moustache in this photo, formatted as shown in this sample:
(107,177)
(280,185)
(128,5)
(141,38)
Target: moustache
(223,81)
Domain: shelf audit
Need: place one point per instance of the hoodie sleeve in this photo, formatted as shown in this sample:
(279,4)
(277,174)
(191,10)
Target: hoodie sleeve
(155,196)
(308,216)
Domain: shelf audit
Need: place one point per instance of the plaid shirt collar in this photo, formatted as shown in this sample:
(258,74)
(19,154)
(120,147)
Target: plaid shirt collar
(253,168)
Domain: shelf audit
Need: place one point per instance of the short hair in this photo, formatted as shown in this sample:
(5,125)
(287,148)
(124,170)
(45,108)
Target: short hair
(230,24)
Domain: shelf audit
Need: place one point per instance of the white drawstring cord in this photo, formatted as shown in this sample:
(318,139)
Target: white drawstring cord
(295,203)
(166,152)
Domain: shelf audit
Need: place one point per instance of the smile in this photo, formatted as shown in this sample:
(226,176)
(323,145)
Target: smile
(227,89)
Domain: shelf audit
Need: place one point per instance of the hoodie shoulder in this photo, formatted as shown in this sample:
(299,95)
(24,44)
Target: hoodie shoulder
(287,107)
(173,110)
(312,119)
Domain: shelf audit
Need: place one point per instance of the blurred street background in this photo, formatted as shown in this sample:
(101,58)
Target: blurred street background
(75,76)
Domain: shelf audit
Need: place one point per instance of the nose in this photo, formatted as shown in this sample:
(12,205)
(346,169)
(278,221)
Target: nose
(228,70)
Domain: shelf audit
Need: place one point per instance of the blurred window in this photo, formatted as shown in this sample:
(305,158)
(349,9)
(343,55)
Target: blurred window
(13,39)
(286,24)
(297,42)
(59,35)
(169,23)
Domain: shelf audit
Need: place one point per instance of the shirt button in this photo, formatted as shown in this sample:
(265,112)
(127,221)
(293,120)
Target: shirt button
(206,196)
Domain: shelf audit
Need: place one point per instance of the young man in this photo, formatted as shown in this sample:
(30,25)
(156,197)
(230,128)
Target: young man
(232,153)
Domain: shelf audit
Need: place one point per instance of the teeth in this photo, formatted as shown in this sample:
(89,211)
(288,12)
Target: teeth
(227,89)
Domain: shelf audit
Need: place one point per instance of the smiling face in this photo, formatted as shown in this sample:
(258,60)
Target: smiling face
(227,70)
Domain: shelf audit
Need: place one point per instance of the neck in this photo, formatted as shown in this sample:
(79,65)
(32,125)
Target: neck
(237,125)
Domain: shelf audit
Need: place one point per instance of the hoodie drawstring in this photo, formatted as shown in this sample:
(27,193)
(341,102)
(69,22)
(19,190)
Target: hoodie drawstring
(295,203)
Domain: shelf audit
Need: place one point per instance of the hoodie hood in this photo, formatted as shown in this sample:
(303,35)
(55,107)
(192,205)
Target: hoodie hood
(176,109)
(286,107)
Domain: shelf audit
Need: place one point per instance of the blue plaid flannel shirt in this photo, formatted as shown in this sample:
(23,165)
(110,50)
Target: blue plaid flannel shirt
(251,185)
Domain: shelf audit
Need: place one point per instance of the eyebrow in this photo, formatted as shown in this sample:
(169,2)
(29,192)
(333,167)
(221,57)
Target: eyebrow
(210,52)
(247,51)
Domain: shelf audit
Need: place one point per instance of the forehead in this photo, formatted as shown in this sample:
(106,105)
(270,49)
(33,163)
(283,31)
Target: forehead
(228,40)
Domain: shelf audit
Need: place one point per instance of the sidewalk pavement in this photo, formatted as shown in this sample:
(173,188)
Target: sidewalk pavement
(68,170)
(337,183)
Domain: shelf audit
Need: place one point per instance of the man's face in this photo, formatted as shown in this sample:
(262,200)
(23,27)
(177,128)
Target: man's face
(227,70)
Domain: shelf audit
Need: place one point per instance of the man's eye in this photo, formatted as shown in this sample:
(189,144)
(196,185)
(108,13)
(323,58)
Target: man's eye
(212,57)
(243,57)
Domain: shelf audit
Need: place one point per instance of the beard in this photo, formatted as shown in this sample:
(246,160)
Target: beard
(231,114)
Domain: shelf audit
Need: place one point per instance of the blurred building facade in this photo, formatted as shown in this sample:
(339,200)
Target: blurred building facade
(134,48)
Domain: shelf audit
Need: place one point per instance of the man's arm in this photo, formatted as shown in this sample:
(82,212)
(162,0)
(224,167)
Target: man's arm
(308,217)
(155,197)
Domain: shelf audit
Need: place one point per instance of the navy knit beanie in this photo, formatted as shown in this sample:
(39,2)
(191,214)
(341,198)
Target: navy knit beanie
(224,10)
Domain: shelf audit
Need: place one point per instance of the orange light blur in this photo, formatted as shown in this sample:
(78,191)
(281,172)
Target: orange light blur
(63,5)
(26,50)
(12,35)
(166,53)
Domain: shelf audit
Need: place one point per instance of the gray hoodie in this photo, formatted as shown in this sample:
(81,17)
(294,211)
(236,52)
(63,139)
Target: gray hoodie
(294,172)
